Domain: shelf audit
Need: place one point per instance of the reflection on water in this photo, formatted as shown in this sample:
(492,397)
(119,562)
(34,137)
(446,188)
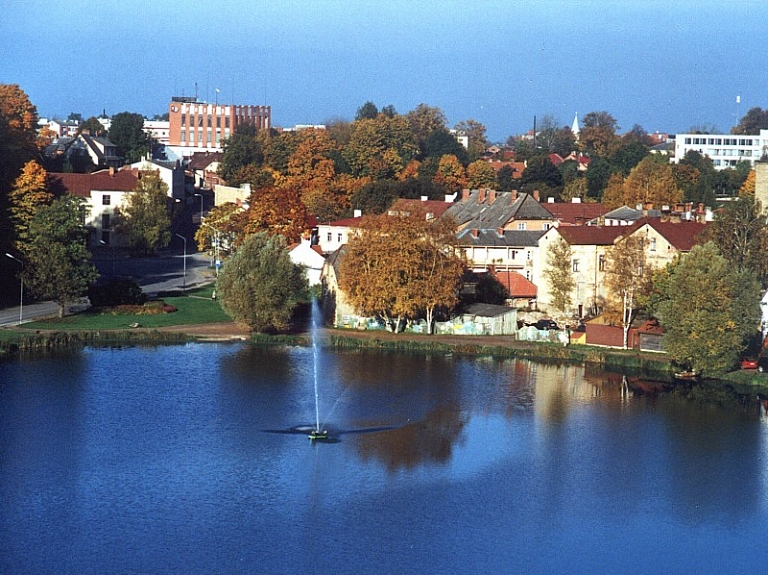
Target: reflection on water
(193,459)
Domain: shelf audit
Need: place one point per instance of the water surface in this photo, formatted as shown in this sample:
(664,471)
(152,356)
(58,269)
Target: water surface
(185,459)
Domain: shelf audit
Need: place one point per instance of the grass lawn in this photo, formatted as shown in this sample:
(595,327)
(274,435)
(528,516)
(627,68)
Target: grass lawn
(194,308)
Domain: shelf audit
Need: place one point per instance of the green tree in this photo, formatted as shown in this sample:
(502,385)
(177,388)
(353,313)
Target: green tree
(708,310)
(241,149)
(260,286)
(598,174)
(58,261)
(127,133)
(93,127)
(541,171)
(368,111)
(754,120)
(506,179)
(144,218)
(477,140)
(628,155)
(740,233)
(559,277)
(441,142)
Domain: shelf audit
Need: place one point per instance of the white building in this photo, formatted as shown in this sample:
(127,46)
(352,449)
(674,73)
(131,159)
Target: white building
(725,150)
(160,131)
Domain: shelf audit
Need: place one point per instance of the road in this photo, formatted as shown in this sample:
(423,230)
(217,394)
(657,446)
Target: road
(164,272)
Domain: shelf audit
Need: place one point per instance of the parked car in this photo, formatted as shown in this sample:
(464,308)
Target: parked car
(762,363)
(544,324)
(749,363)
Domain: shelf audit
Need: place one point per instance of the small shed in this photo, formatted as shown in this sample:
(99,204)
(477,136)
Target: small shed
(486,319)
(651,336)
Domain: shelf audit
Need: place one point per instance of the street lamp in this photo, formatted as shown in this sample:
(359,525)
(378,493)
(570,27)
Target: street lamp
(185,262)
(201,206)
(21,296)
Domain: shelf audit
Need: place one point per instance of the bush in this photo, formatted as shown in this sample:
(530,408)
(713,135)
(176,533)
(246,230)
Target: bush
(117,291)
(155,307)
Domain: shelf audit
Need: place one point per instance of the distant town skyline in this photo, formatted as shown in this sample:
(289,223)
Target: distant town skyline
(667,66)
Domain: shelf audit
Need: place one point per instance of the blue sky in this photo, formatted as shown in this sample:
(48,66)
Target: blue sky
(666,65)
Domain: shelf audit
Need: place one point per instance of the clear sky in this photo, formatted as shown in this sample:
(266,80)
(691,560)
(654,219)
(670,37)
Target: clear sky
(665,65)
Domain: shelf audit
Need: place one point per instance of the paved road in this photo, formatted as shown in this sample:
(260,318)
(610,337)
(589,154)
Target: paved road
(155,274)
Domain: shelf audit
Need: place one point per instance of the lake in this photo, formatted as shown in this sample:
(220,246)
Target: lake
(195,459)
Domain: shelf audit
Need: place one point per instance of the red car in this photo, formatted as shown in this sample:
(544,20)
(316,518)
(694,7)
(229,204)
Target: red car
(749,363)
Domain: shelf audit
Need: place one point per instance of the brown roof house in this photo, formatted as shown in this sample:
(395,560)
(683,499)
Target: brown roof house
(103,191)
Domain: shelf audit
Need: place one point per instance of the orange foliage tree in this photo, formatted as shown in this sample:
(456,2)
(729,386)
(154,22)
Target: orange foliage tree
(276,211)
(401,267)
(29,193)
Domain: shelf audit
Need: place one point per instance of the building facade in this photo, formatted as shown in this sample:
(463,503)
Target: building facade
(725,150)
(200,126)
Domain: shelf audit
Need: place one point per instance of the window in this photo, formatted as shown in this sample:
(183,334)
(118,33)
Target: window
(600,263)
(104,221)
(340,236)
(520,225)
(330,236)
(575,265)
(653,245)
(513,254)
(106,200)
(545,227)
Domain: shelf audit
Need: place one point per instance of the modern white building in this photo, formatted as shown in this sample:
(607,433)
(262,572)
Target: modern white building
(725,150)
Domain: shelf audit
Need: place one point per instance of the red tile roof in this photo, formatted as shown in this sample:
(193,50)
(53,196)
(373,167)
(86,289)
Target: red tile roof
(681,235)
(575,214)
(83,184)
(517,285)
(435,207)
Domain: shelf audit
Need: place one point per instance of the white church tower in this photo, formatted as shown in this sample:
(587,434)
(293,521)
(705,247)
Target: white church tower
(575,127)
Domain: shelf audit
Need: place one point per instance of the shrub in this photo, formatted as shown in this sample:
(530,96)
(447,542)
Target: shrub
(117,291)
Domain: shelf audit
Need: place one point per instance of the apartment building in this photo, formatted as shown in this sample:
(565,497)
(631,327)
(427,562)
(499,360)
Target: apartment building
(201,126)
(725,150)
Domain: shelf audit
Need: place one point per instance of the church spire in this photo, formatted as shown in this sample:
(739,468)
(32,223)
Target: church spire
(575,127)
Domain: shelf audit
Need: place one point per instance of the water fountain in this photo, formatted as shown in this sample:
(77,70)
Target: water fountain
(316,434)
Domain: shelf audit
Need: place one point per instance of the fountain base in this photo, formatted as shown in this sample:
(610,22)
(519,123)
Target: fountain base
(317,435)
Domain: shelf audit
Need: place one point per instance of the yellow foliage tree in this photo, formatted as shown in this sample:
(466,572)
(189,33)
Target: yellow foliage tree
(480,174)
(652,181)
(747,189)
(399,267)
(30,193)
(613,195)
(450,173)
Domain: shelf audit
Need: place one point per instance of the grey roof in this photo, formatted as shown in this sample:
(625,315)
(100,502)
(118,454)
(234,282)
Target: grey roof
(510,238)
(487,309)
(631,214)
(479,212)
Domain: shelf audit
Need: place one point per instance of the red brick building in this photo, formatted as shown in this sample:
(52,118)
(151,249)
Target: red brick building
(200,126)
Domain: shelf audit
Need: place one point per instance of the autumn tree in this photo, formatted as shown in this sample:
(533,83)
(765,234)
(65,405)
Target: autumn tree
(598,134)
(652,181)
(450,174)
(220,228)
(626,275)
(425,120)
(708,309)
(30,193)
(18,124)
(613,195)
(480,174)
(380,147)
(575,189)
(144,217)
(127,133)
(260,286)
(559,277)
(276,211)
(747,189)
(58,260)
(399,267)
